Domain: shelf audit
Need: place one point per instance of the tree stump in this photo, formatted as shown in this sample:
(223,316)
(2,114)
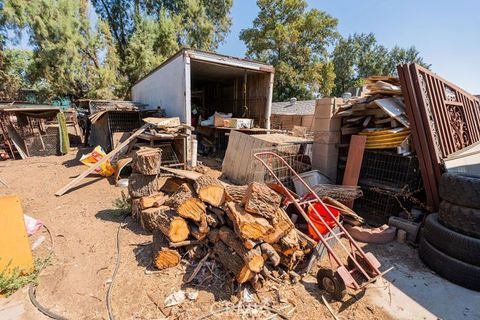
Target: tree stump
(147,161)
(141,186)
(210,190)
(163,256)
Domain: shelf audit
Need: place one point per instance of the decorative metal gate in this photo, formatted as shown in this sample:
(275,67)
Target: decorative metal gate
(444,119)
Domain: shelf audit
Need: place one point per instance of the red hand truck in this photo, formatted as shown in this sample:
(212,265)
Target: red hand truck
(339,277)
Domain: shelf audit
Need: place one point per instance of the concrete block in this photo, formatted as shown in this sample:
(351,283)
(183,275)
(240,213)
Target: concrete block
(325,108)
(325,159)
(326,137)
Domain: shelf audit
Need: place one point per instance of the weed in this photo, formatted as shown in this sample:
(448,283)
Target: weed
(15,279)
(123,204)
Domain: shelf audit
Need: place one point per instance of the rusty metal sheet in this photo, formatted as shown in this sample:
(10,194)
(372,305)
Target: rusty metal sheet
(444,117)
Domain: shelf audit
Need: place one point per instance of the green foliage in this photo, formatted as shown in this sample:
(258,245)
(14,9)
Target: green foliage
(15,279)
(295,41)
(14,74)
(360,56)
(123,204)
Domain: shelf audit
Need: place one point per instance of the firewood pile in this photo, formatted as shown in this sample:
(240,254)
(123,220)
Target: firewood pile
(243,228)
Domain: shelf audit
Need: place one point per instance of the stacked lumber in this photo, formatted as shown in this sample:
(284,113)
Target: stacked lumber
(164,127)
(243,227)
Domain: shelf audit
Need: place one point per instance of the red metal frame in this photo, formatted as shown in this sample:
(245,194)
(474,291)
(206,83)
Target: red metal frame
(369,269)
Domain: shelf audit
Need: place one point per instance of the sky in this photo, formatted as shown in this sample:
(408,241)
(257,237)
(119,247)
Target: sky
(447,33)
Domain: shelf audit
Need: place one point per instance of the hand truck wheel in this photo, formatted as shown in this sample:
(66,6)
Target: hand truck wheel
(331,282)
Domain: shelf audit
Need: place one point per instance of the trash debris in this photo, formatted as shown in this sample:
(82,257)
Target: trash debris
(175,298)
(31,224)
(105,169)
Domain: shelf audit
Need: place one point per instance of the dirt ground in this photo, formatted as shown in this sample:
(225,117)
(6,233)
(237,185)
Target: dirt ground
(84,225)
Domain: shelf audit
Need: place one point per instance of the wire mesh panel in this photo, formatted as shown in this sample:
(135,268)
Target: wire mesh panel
(123,121)
(292,154)
(386,169)
(169,157)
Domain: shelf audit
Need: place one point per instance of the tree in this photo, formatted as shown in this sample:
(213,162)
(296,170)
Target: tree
(360,56)
(147,32)
(67,50)
(295,41)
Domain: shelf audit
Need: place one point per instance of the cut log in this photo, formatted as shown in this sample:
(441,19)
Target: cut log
(166,220)
(197,232)
(186,204)
(249,244)
(136,208)
(147,161)
(141,186)
(163,256)
(270,254)
(288,244)
(169,185)
(246,225)
(282,226)
(213,221)
(252,258)
(260,199)
(218,215)
(210,190)
(232,262)
(154,200)
(235,193)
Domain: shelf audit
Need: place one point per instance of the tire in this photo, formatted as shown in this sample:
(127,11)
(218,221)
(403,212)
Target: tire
(456,271)
(454,244)
(332,283)
(461,190)
(462,219)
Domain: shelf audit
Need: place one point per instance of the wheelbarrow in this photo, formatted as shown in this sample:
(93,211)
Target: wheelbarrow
(336,279)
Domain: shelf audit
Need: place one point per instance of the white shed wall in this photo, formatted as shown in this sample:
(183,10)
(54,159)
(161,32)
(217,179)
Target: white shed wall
(166,88)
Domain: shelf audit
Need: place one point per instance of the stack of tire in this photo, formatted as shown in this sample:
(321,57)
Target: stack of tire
(450,244)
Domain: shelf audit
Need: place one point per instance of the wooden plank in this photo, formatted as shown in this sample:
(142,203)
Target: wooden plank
(75,181)
(354,162)
(17,141)
(192,175)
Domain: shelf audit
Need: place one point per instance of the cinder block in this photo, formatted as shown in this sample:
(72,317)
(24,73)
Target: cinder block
(325,159)
(327,137)
(325,108)
(332,124)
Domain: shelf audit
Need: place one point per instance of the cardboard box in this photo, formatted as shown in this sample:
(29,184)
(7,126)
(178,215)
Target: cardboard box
(325,159)
(332,124)
(326,108)
(239,123)
(218,119)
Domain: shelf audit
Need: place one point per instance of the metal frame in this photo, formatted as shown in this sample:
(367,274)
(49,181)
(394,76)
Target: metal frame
(369,269)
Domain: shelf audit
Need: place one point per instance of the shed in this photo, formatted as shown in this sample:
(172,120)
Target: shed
(285,115)
(198,82)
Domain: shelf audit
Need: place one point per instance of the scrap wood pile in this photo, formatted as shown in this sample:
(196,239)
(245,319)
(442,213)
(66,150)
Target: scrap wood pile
(379,114)
(164,127)
(242,227)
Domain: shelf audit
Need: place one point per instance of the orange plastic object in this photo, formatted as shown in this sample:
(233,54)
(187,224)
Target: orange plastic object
(318,222)
(15,249)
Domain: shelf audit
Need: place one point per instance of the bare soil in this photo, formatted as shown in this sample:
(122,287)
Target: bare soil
(84,225)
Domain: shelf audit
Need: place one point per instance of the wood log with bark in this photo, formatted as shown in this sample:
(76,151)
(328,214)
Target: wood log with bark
(210,190)
(260,199)
(163,256)
(282,226)
(169,185)
(269,253)
(141,186)
(147,161)
(185,202)
(246,225)
(136,208)
(235,193)
(253,258)
(232,262)
(167,221)
(153,200)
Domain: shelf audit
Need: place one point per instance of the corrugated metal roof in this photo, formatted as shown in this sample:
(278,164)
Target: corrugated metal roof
(305,107)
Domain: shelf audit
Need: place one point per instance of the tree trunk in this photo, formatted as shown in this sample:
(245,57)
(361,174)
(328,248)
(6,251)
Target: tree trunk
(260,199)
(235,193)
(163,256)
(154,200)
(147,161)
(232,262)
(141,186)
(246,225)
(210,190)
(166,220)
(269,253)
(253,258)
(186,204)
